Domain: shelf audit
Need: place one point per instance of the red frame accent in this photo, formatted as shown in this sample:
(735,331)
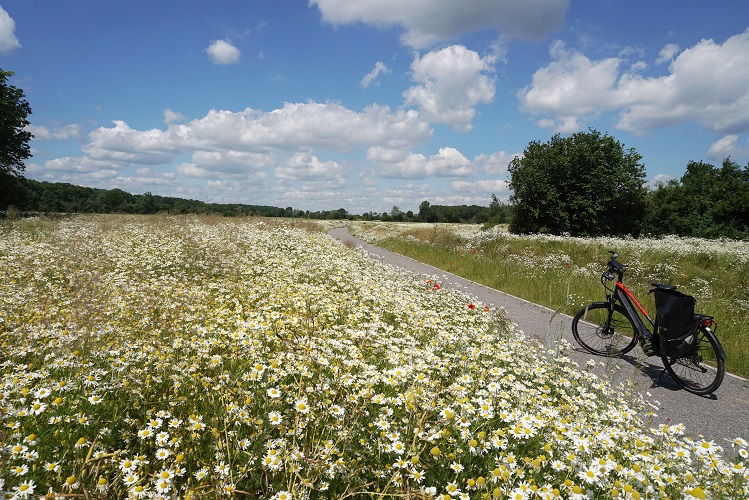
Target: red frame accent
(631,295)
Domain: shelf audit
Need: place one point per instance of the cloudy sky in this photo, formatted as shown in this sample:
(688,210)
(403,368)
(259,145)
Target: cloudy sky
(367,104)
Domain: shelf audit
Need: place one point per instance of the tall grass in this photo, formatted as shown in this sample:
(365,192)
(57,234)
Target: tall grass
(563,273)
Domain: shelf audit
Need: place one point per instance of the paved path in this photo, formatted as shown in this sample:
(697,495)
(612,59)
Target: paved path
(722,416)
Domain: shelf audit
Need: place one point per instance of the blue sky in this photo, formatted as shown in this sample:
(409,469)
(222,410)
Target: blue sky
(367,104)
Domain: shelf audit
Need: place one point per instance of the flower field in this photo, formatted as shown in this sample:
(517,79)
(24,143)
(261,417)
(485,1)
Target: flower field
(155,357)
(563,272)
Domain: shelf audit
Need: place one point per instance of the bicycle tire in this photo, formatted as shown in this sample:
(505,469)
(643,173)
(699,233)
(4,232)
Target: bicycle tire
(593,331)
(692,373)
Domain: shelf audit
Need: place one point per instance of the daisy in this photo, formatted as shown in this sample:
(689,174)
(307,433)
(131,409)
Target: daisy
(301,405)
(24,490)
(138,492)
(275,418)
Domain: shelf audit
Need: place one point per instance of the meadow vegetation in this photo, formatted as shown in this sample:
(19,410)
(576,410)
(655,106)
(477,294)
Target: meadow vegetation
(193,357)
(563,272)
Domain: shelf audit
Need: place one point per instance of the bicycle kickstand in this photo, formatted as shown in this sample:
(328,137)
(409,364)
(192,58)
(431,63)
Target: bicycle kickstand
(655,384)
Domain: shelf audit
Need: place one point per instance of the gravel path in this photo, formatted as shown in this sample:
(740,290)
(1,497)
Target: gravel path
(721,416)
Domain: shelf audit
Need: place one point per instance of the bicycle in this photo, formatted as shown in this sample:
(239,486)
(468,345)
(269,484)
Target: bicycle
(614,327)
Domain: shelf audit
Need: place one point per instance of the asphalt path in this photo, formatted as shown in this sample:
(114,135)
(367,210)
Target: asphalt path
(722,416)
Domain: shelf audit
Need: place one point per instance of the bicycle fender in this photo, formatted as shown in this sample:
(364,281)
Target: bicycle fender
(721,352)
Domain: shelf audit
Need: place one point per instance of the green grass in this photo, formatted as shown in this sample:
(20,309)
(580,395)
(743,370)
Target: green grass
(563,272)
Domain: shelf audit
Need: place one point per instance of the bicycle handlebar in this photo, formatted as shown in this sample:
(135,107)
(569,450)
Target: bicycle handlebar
(613,268)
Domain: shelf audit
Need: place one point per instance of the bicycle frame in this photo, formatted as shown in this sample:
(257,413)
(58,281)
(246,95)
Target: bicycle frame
(628,300)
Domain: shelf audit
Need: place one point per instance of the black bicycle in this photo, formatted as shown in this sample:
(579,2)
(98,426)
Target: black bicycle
(685,341)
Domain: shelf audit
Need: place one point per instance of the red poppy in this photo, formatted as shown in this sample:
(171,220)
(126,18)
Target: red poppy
(471,306)
(436,286)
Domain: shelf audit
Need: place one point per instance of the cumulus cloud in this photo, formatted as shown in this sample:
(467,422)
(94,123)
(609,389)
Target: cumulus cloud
(8,40)
(209,164)
(667,53)
(483,188)
(449,162)
(296,126)
(125,144)
(428,22)
(495,163)
(570,87)
(371,77)
(707,83)
(306,166)
(450,83)
(729,145)
(223,52)
(56,132)
(173,117)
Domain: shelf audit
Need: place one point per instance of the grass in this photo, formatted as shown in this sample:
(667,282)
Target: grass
(563,273)
(195,357)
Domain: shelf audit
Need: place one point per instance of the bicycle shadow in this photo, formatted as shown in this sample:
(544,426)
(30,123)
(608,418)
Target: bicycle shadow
(650,367)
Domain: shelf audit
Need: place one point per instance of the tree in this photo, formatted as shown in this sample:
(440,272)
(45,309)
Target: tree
(397,214)
(587,184)
(14,139)
(426,214)
(498,213)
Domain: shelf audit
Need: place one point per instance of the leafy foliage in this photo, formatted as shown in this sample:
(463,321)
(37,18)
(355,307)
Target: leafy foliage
(586,184)
(14,138)
(708,202)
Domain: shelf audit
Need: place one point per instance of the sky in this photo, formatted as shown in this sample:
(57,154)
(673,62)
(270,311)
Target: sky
(367,105)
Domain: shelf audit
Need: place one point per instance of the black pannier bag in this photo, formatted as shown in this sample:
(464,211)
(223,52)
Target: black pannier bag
(676,323)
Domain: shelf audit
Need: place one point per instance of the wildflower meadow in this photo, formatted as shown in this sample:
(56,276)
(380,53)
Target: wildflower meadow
(187,357)
(563,272)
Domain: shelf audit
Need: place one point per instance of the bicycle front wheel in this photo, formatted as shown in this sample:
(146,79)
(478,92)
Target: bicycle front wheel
(600,331)
(702,372)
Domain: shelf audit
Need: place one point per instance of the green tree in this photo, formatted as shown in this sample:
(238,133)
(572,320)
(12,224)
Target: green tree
(707,202)
(14,139)
(426,213)
(587,184)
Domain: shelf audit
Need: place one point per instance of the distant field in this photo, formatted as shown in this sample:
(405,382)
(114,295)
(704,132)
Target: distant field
(563,272)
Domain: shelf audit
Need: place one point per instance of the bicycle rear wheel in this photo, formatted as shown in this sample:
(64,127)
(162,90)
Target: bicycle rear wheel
(600,333)
(702,372)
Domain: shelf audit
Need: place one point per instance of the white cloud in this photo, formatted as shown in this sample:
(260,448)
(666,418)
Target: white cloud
(707,83)
(210,164)
(451,82)
(371,77)
(427,22)
(495,163)
(294,127)
(482,189)
(658,180)
(306,166)
(56,132)
(667,53)
(171,117)
(729,146)
(8,40)
(223,52)
(449,162)
(124,144)
(570,87)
